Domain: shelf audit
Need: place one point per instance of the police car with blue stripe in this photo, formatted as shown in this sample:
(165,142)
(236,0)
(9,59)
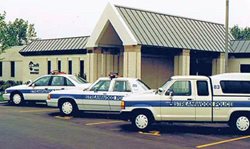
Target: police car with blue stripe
(39,89)
(103,95)
(221,98)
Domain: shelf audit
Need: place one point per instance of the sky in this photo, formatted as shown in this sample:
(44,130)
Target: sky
(70,18)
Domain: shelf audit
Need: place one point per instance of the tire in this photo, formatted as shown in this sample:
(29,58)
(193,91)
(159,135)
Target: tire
(142,120)
(17,99)
(68,108)
(240,123)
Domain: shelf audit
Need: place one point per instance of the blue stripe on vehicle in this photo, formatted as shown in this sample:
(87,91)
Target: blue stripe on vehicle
(33,91)
(89,96)
(187,103)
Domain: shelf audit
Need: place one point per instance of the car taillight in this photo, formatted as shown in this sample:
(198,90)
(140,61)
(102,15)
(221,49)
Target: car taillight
(123,104)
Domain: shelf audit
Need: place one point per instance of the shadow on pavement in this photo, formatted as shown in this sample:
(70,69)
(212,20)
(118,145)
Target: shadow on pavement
(92,115)
(187,128)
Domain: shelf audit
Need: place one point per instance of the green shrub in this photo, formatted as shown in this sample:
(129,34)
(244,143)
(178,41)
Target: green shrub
(5,84)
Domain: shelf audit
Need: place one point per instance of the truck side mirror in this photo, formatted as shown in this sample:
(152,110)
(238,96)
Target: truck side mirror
(169,92)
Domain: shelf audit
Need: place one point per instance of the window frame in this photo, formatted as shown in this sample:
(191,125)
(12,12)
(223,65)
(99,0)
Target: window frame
(12,69)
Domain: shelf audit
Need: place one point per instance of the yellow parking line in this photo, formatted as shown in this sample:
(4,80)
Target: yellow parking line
(64,117)
(222,142)
(99,123)
(153,133)
(40,110)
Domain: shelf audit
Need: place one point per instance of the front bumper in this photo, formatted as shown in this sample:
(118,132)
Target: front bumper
(52,103)
(6,97)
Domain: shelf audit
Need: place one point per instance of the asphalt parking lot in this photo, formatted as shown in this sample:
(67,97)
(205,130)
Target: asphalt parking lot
(37,126)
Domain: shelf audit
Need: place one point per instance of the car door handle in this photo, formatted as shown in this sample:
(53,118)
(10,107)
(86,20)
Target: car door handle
(46,88)
(62,88)
(189,99)
(104,93)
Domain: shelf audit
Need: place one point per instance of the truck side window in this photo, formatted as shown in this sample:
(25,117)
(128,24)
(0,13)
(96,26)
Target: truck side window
(202,88)
(235,87)
(181,88)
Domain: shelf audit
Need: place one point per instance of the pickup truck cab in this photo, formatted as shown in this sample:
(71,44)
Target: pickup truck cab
(221,98)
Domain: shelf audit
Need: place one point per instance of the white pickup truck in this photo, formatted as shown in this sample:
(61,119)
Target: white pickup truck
(221,98)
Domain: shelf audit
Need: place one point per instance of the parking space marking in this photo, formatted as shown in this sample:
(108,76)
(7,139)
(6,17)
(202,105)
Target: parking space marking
(153,133)
(64,117)
(222,142)
(40,110)
(100,123)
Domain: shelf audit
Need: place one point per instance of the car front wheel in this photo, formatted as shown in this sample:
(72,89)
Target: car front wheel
(17,99)
(68,108)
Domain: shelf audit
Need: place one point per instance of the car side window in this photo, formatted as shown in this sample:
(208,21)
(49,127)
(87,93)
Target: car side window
(44,81)
(121,86)
(57,81)
(69,83)
(102,85)
(181,88)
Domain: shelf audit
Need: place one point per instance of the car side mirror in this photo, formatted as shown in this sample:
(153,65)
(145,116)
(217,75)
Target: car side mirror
(28,82)
(33,85)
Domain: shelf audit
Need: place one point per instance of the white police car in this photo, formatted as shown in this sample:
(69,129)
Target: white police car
(39,89)
(103,95)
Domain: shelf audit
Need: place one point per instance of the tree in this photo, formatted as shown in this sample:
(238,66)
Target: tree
(15,33)
(240,33)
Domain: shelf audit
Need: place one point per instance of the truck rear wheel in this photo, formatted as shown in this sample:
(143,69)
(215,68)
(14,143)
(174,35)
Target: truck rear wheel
(142,120)
(241,123)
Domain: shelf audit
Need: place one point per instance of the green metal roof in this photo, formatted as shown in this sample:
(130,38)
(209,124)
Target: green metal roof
(240,46)
(71,45)
(162,30)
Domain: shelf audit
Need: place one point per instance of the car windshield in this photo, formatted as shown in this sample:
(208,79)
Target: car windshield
(143,85)
(78,79)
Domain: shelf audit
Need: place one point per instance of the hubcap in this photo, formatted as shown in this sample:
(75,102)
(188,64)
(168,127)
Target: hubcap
(141,121)
(67,108)
(242,123)
(17,99)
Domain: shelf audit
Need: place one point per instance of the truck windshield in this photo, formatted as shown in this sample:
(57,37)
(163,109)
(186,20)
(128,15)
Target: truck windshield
(165,85)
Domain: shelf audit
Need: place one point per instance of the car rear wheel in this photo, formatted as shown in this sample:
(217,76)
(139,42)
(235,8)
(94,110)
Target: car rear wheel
(68,108)
(141,120)
(241,123)
(17,99)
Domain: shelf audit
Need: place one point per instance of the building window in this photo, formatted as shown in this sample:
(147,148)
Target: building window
(82,69)
(49,67)
(12,69)
(70,67)
(1,69)
(59,66)
(245,68)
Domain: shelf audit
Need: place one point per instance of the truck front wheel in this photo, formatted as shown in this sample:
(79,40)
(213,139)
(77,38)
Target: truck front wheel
(240,123)
(141,120)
